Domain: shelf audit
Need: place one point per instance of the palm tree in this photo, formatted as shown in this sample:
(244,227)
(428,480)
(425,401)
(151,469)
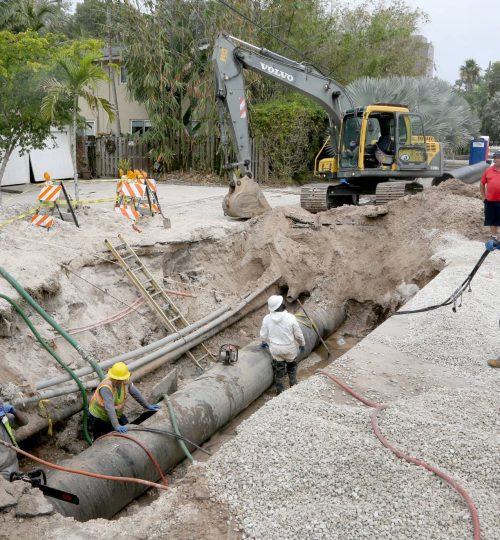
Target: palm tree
(23,15)
(447,116)
(77,78)
(470,73)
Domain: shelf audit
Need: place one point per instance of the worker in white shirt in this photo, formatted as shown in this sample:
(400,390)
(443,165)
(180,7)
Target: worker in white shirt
(281,333)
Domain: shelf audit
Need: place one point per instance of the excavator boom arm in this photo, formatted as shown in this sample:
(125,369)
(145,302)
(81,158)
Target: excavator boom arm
(231,56)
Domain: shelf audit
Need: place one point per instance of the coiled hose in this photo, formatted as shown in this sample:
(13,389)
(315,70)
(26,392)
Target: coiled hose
(410,459)
(59,360)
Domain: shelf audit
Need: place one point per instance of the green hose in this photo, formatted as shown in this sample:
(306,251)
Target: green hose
(173,419)
(83,353)
(58,360)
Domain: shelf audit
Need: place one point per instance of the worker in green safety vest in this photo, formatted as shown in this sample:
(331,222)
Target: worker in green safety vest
(10,419)
(107,403)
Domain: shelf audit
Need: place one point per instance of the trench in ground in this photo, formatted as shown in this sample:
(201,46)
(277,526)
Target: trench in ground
(360,321)
(364,313)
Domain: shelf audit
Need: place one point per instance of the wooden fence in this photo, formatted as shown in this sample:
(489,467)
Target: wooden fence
(205,155)
(110,150)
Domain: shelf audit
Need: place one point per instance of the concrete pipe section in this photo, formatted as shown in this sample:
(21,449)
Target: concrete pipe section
(202,408)
(468,174)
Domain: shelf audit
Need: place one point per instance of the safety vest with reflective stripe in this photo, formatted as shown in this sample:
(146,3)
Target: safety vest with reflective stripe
(96,407)
(9,430)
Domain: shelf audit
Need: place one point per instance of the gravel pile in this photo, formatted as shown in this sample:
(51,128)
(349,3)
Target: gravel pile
(304,466)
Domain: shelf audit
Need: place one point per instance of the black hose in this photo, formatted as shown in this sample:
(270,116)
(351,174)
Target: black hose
(169,434)
(458,292)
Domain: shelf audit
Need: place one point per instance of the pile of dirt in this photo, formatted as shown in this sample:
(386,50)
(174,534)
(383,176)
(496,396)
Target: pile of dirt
(368,257)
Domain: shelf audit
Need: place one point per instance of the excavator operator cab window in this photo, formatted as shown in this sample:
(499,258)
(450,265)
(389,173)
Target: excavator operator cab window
(379,144)
(349,150)
(411,150)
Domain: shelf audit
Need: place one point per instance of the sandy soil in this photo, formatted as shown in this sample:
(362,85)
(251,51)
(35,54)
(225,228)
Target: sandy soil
(372,258)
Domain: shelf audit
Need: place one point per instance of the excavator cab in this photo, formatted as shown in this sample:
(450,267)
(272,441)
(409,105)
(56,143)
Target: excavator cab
(386,138)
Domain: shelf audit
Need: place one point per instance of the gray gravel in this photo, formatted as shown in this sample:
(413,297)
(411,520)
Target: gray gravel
(307,464)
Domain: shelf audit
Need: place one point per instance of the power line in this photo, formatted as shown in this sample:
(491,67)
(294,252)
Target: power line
(283,42)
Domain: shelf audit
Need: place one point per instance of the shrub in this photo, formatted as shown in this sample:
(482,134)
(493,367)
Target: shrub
(288,129)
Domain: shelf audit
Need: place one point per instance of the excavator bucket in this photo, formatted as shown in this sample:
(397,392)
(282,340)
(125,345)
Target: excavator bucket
(245,199)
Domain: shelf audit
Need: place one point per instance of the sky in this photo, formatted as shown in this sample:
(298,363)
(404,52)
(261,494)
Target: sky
(461,29)
(458,29)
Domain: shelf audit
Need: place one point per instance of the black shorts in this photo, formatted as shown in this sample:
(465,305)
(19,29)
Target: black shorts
(492,213)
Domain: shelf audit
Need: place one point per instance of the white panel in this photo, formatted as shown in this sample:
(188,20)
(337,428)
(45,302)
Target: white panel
(55,159)
(17,171)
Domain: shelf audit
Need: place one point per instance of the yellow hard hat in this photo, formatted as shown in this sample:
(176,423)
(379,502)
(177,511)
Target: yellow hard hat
(119,372)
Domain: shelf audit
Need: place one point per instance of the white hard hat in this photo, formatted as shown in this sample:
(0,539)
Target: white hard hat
(274,302)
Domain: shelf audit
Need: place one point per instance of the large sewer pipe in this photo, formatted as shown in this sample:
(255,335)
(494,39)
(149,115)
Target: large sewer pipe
(468,174)
(202,408)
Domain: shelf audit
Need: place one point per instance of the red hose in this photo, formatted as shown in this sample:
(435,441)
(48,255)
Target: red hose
(84,473)
(376,429)
(148,453)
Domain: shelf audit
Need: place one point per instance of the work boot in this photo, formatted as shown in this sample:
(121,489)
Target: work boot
(292,372)
(494,363)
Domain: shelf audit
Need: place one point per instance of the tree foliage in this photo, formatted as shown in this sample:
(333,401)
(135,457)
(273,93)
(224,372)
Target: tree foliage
(289,131)
(29,15)
(470,75)
(25,59)
(447,115)
(75,77)
(481,92)
(491,118)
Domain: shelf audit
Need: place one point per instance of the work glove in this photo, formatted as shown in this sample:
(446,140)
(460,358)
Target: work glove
(6,409)
(302,349)
(153,407)
(491,245)
(264,345)
(121,429)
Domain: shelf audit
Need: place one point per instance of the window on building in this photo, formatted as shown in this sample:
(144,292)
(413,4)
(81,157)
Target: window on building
(89,128)
(123,75)
(139,126)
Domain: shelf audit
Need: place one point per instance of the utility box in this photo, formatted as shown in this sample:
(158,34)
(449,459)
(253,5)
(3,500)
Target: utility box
(478,150)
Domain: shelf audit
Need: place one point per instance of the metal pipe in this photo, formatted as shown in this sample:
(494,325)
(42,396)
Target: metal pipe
(202,408)
(468,174)
(171,351)
(135,353)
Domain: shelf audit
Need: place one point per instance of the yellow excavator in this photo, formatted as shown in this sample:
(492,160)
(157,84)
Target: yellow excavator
(381,148)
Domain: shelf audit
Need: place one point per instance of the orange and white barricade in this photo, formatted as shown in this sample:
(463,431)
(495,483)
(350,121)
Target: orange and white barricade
(128,212)
(50,193)
(41,220)
(134,190)
(136,195)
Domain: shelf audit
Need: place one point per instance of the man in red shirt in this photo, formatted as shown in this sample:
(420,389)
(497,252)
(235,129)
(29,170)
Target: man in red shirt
(490,194)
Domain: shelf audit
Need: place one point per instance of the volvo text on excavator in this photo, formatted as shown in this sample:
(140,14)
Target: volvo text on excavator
(380,148)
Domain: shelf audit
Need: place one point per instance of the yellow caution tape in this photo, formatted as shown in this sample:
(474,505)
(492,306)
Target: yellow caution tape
(46,204)
(93,201)
(42,404)
(17,218)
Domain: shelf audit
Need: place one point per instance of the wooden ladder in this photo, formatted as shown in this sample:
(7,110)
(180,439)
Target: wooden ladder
(152,292)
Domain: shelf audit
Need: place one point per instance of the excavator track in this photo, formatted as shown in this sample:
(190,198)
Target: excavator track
(390,191)
(313,197)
